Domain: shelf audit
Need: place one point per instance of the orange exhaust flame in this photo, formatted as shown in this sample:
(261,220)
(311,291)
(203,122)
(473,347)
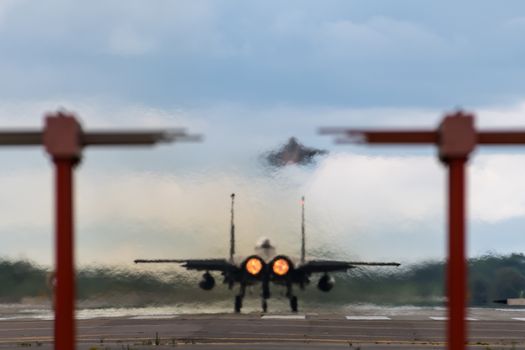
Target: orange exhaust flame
(254,266)
(281,267)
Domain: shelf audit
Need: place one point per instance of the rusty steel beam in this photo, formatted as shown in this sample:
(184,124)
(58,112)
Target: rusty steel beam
(379,136)
(138,138)
(21,137)
(103,138)
(501,137)
(393,137)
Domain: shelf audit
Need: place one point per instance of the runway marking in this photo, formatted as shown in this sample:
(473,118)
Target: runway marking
(153,317)
(511,310)
(26,318)
(328,336)
(444,318)
(519,318)
(367,318)
(283,317)
(438,318)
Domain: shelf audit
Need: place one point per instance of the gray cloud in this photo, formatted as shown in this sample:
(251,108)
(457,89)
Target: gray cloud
(335,53)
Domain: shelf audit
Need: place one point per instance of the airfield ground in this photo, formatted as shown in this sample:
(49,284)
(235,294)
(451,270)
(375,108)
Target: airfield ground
(420,329)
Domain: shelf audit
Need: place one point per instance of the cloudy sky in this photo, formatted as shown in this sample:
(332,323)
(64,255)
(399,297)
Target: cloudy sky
(249,75)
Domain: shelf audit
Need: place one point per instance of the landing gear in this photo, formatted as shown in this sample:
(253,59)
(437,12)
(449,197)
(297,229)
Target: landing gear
(238,303)
(292,298)
(293,303)
(264,305)
(238,299)
(265,295)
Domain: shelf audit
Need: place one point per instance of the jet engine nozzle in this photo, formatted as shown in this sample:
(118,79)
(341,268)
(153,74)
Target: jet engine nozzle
(254,266)
(326,283)
(281,266)
(207,282)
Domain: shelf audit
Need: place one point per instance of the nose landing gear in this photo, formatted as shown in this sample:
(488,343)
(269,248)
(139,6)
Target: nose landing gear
(264,306)
(238,303)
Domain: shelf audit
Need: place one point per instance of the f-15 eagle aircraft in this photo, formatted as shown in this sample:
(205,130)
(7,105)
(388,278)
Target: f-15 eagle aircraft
(265,266)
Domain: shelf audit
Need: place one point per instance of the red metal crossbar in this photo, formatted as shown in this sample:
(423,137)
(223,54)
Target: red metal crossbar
(64,140)
(456,138)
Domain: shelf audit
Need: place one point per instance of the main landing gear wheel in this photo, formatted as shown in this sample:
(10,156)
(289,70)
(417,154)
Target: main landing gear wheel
(264,305)
(238,303)
(293,303)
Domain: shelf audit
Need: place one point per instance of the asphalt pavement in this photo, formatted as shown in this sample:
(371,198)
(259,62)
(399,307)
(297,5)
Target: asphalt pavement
(423,329)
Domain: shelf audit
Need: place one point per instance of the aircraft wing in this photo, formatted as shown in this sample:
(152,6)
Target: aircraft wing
(316,266)
(195,264)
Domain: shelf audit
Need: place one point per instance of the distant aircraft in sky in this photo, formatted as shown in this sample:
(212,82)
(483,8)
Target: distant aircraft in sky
(265,267)
(293,152)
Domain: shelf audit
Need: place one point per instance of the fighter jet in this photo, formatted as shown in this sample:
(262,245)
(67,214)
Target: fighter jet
(293,152)
(266,267)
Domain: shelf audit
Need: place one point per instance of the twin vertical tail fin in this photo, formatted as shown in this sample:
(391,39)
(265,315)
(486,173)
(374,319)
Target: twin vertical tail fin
(303,248)
(232,230)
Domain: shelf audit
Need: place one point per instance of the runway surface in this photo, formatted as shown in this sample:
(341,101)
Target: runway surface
(418,329)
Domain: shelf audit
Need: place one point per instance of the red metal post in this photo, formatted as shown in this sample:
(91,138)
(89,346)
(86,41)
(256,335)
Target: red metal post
(456,267)
(457,140)
(62,139)
(64,255)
